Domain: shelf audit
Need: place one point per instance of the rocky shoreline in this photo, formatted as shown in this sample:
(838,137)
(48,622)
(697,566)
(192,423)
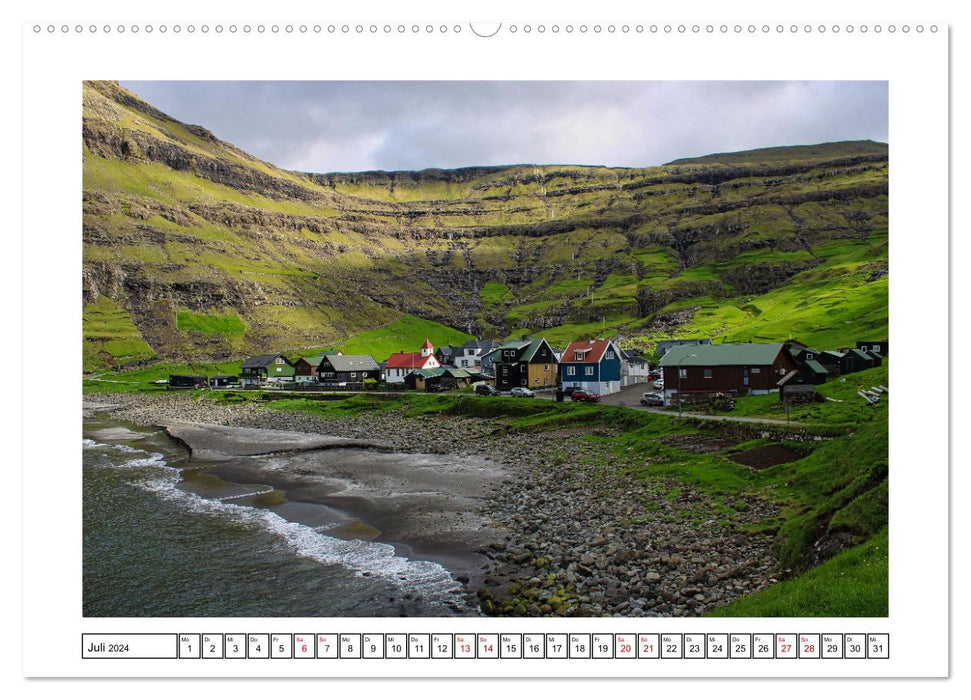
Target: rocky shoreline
(578,536)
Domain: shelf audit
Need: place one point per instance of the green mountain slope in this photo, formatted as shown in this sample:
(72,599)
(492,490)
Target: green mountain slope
(180,225)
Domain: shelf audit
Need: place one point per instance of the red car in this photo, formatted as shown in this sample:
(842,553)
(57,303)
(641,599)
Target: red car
(580,395)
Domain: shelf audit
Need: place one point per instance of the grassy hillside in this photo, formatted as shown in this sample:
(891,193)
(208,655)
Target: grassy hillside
(179,225)
(854,583)
(406,334)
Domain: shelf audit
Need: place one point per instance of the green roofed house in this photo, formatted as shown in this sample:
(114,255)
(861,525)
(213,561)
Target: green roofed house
(265,368)
(798,384)
(854,360)
(528,362)
(738,368)
(455,377)
(422,379)
(881,347)
(446,377)
(814,372)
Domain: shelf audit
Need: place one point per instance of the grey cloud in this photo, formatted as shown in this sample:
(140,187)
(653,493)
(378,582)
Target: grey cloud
(347,126)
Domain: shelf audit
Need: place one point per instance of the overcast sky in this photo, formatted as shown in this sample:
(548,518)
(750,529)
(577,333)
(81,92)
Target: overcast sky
(350,126)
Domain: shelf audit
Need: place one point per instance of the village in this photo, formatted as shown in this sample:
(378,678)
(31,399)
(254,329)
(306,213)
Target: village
(680,372)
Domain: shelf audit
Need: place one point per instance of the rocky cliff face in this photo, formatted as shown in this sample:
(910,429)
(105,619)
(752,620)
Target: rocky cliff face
(176,220)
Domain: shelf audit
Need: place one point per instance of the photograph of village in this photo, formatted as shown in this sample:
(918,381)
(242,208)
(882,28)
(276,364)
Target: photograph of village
(359,349)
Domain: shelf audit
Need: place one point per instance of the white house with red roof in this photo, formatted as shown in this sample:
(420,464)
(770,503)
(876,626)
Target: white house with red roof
(591,365)
(401,364)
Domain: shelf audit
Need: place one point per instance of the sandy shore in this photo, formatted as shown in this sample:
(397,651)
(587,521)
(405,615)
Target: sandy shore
(427,506)
(539,524)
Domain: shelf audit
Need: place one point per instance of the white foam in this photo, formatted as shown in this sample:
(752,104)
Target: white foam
(237,496)
(89,444)
(375,559)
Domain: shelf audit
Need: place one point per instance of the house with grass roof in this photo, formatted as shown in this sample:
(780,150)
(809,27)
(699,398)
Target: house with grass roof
(528,362)
(261,369)
(736,368)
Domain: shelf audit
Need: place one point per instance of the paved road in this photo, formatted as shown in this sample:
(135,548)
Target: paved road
(628,398)
(631,398)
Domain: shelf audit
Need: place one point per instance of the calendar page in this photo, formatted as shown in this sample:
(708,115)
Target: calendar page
(494,344)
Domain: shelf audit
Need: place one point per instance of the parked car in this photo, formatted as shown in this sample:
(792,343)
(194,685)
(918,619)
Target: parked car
(568,390)
(658,383)
(434,388)
(580,395)
(651,399)
(522,391)
(486,390)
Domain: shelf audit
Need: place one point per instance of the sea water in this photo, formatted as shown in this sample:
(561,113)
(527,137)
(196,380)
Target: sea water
(153,548)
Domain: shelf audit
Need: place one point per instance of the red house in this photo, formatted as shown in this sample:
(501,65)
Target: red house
(401,364)
(741,368)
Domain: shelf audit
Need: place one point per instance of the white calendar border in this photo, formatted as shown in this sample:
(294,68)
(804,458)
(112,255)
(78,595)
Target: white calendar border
(56,146)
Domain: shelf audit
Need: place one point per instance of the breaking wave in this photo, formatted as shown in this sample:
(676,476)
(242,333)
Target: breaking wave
(371,559)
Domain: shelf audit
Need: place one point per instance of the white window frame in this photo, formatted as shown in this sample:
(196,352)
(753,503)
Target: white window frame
(588,370)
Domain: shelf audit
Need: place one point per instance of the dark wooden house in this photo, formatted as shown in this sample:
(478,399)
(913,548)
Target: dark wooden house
(348,369)
(446,354)
(853,360)
(187,381)
(796,387)
(529,362)
(882,347)
(812,372)
(740,368)
(830,360)
(305,369)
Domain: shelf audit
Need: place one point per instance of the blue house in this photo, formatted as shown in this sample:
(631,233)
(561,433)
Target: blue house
(591,365)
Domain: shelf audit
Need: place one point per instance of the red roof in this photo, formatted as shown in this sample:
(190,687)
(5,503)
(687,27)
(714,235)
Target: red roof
(407,360)
(428,344)
(592,351)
